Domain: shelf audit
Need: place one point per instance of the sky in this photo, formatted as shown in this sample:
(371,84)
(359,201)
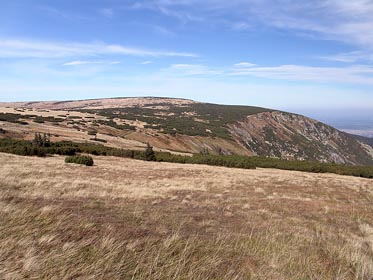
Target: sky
(302,56)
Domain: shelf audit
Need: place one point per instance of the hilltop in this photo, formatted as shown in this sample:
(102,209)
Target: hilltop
(186,127)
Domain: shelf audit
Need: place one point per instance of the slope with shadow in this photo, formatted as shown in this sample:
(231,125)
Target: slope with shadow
(292,136)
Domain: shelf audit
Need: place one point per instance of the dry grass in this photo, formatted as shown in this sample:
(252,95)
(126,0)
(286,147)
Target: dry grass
(127,219)
(99,103)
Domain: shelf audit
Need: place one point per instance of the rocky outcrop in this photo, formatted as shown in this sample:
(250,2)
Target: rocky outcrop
(291,136)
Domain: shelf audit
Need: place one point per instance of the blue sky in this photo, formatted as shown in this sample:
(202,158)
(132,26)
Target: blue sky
(296,55)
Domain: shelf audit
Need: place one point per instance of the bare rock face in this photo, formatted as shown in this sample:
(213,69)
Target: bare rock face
(285,135)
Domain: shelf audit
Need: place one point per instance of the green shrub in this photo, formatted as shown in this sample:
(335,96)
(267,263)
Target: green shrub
(85,160)
(98,140)
(92,132)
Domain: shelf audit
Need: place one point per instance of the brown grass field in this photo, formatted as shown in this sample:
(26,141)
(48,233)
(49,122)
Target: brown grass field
(128,219)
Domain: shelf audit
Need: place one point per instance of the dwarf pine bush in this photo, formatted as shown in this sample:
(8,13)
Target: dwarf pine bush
(85,160)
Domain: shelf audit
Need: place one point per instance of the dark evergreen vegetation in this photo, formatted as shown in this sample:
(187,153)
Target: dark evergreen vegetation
(113,124)
(20,119)
(84,160)
(29,148)
(199,119)
(13,118)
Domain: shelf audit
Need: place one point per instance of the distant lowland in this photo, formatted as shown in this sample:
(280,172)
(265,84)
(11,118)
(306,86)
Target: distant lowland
(358,127)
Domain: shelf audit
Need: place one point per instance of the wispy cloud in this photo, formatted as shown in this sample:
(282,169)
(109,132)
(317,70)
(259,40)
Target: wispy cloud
(244,64)
(241,25)
(60,13)
(351,75)
(175,9)
(350,57)
(107,12)
(347,21)
(54,12)
(85,62)
(191,70)
(162,30)
(45,49)
(146,62)
(359,74)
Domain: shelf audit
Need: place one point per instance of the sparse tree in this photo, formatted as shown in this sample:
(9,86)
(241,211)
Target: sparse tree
(46,140)
(38,141)
(149,153)
(204,151)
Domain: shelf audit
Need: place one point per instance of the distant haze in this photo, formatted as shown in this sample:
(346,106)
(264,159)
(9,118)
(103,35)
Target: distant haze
(354,121)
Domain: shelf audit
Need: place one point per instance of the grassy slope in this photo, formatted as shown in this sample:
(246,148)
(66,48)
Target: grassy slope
(124,219)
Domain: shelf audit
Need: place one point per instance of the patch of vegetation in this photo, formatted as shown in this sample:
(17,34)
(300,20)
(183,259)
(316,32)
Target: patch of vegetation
(194,119)
(22,147)
(98,140)
(18,118)
(14,118)
(112,123)
(92,132)
(84,160)
(215,160)
(40,119)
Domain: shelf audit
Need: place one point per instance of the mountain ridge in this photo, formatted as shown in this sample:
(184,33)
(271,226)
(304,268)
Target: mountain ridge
(188,126)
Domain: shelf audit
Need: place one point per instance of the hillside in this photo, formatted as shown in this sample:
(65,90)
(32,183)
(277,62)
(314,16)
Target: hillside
(185,126)
(130,219)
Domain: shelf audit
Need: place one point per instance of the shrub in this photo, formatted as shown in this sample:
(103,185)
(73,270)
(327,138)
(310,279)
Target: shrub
(85,160)
(98,140)
(92,132)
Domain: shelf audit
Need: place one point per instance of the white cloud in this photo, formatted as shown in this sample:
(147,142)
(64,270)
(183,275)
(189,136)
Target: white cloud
(76,62)
(84,62)
(146,62)
(245,64)
(45,49)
